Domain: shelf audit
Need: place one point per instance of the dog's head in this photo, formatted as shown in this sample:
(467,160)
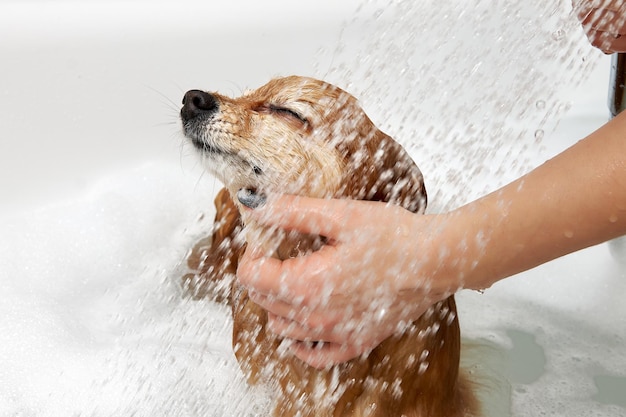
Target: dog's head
(302,136)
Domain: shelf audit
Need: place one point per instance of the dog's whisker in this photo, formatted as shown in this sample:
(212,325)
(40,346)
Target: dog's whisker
(168,101)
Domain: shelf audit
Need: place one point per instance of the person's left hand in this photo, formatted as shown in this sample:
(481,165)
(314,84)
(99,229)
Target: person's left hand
(604,23)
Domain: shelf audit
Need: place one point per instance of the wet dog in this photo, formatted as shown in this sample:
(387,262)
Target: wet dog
(303,136)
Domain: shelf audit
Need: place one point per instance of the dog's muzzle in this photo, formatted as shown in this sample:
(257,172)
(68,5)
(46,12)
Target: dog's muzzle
(197,103)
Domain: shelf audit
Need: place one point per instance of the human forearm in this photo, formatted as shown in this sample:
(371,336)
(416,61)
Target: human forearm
(572,201)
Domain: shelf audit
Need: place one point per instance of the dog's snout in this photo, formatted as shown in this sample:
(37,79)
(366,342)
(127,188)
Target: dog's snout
(196,103)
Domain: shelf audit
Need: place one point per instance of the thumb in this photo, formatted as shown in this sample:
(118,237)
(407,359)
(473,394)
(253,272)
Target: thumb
(303,214)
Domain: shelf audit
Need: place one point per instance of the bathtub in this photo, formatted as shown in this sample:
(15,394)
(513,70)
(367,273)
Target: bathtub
(101,198)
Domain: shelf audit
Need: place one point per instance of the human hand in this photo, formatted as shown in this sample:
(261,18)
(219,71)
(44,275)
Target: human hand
(604,22)
(354,292)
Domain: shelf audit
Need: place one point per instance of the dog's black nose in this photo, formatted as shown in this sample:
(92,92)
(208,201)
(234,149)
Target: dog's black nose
(196,103)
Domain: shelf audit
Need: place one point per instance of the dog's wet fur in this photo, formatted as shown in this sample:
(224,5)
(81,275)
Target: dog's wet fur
(304,136)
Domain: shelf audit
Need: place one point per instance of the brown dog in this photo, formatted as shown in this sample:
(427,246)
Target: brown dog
(303,136)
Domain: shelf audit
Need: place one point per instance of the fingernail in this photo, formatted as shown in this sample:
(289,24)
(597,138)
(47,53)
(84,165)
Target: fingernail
(250,198)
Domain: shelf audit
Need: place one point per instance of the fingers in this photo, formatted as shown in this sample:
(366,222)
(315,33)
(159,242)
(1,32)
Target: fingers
(320,347)
(324,217)
(317,328)
(265,274)
(604,23)
(607,43)
(605,30)
(603,10)
(290,279)
(323,355)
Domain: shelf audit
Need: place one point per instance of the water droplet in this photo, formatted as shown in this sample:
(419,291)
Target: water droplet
(539,134)
(613,218)
(569,234)
(410,360)
(540,104)
(422,368)
(559,34)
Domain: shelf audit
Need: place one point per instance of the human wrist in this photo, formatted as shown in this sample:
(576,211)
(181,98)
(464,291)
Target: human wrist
(449,253)
(434,271)
(466,233)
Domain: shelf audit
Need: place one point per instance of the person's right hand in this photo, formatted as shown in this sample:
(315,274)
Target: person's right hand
(375,274)
(604,22)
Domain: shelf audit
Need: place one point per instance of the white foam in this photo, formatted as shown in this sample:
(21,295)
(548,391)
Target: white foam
(94,322)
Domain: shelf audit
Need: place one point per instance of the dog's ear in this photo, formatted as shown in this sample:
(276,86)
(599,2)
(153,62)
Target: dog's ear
(400,181)
(380,169)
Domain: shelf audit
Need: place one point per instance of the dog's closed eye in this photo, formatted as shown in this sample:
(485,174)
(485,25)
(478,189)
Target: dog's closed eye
(288,113)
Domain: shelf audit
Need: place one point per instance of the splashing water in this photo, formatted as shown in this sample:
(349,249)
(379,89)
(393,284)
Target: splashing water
(473,90)
(97,325)
(464,85)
